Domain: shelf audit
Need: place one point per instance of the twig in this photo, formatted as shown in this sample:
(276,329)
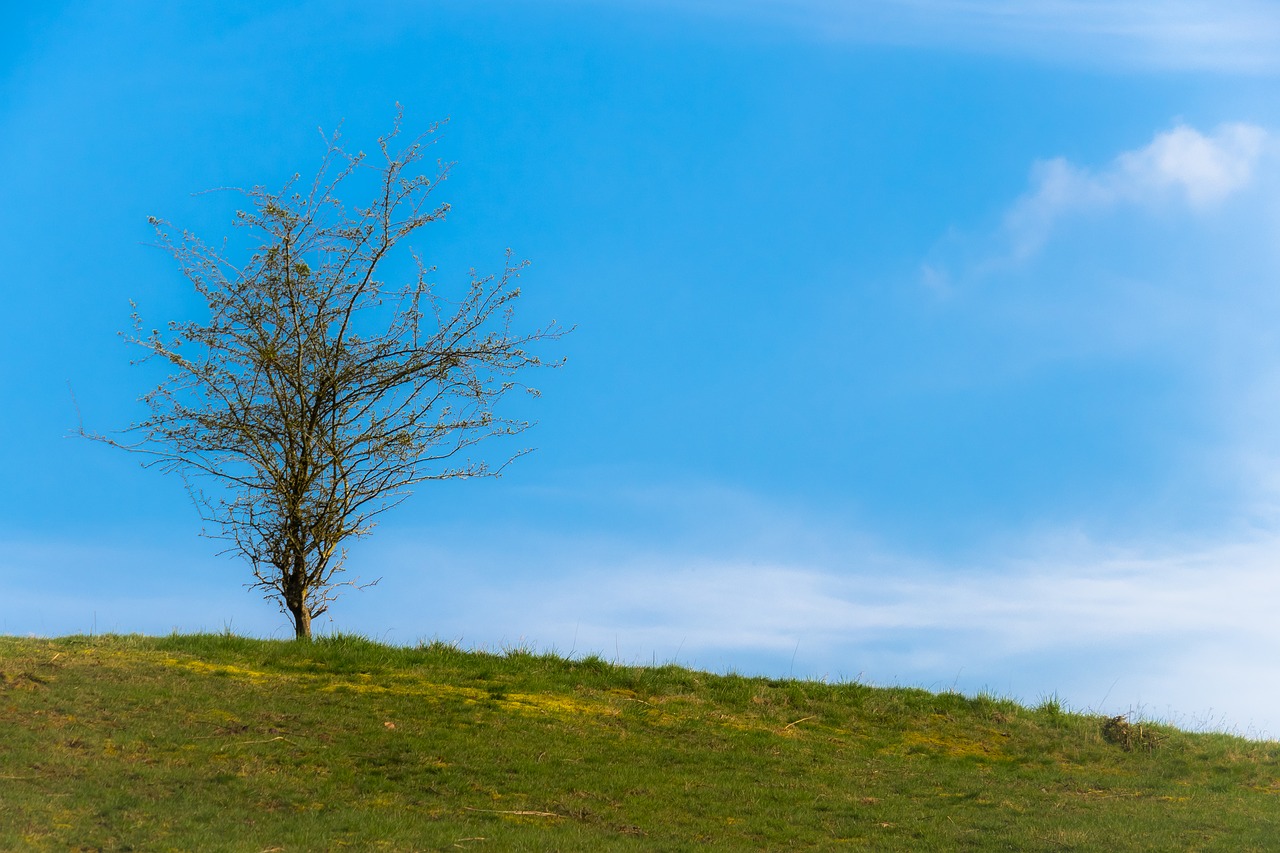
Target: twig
(798,722)
(517,812)
(268,740)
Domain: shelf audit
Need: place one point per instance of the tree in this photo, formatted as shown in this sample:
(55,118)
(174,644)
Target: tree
(316,395)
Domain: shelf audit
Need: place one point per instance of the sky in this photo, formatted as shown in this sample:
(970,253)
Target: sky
(918,342)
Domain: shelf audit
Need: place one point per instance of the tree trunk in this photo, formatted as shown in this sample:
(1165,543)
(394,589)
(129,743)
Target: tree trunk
(295,586)
(295,598)
(301,621)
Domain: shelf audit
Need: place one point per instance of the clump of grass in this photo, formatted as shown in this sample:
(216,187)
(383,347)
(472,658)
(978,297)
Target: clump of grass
(1129,736)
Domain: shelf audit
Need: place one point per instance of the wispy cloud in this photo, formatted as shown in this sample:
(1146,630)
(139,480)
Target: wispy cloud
(1181,166)
(1181,171)
(1219,35)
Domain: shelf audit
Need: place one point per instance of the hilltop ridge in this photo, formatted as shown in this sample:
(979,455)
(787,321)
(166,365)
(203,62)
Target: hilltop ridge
(223,742)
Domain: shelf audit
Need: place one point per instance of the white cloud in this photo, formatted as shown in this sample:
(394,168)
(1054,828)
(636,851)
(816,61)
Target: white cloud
(1181,167)
(1206,169)
(1222,35)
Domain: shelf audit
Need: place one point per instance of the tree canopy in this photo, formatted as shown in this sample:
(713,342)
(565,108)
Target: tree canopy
(315,395)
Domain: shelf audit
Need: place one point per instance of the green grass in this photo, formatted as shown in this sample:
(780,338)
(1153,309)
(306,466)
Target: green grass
(218,742)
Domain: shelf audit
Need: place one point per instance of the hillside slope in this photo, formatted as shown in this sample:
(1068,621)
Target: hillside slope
(220,742)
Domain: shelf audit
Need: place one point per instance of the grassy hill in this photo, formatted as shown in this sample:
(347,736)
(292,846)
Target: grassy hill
(218,742)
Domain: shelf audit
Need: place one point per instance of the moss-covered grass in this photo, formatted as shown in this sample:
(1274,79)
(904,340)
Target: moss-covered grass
(217,742)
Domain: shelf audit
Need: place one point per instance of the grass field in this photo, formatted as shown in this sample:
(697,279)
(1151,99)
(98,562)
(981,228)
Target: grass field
(213,742)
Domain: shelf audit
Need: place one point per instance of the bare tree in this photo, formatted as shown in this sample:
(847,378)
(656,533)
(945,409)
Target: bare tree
(315,395)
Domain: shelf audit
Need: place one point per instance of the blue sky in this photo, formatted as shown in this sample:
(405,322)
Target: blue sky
(918,341)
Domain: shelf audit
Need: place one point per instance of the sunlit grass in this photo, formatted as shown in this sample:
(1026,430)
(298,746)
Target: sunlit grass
(222,742)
